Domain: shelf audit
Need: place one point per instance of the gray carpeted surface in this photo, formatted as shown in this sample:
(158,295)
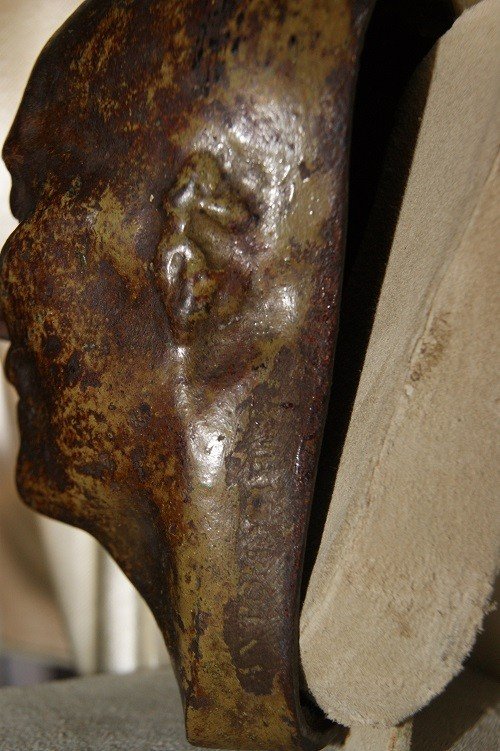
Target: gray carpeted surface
(142,712)
(139,712)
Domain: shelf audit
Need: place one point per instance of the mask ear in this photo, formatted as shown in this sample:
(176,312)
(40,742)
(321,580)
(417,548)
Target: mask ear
(196,268)
(186,283)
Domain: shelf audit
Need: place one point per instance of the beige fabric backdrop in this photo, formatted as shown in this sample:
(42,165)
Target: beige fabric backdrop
(410,548)
(47,568)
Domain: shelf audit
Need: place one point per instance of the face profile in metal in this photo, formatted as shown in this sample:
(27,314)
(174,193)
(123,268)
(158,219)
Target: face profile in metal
(171,295)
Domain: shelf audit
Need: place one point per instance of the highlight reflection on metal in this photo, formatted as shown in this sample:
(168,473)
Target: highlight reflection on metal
(172,300)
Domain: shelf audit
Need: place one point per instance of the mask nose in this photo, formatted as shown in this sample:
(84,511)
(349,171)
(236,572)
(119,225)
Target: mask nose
(4,332)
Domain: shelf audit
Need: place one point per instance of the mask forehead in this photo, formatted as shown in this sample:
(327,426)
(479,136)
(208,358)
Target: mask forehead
(92,97)
(137,77)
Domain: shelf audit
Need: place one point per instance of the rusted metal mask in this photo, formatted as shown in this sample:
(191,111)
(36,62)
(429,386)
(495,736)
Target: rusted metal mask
(171,294)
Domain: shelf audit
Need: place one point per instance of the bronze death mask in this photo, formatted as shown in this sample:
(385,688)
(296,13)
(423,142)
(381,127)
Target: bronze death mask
(171,295)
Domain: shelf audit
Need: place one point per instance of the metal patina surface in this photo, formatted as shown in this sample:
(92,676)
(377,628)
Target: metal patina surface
(171,294)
